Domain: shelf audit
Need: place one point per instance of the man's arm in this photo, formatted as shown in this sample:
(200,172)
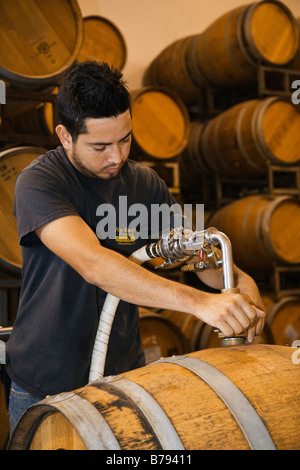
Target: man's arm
(71,239)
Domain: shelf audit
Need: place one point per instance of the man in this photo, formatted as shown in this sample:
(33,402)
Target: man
(68,271)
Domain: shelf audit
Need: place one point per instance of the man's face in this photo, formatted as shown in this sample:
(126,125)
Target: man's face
(103,150)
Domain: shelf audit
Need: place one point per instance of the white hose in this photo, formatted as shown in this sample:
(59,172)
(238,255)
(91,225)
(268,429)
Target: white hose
(106,320)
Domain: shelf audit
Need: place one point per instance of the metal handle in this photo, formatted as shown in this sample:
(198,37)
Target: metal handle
(230,290)
(236,339)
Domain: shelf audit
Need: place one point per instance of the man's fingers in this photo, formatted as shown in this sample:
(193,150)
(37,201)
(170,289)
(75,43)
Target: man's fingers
(240,316)
(234,324)
(256,330)
(251,334)
(260,313)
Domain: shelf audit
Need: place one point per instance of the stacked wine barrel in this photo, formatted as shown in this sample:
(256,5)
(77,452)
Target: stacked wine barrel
(241,140)
(228,52)
(223,62)
(39,44)
(238,143)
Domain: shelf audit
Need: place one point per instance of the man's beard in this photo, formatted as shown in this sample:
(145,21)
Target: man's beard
(83,169)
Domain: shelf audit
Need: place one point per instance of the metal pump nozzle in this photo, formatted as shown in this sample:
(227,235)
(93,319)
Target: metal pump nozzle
(181,244)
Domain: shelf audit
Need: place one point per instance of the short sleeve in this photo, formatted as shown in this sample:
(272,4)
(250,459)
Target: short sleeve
(39,199)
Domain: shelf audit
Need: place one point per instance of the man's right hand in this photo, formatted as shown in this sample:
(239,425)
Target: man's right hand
(230,313)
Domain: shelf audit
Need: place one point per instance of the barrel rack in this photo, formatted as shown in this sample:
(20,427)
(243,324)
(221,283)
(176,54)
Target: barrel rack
(22,96)
(270,81)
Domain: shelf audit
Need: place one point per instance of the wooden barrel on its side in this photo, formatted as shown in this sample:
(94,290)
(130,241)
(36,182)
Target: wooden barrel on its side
(36,119)
(192,158)
(263,230)
(295,63)
(12,162)
(102,42)
(190,326)
(169,70)
(240,142)
(160,123)
(160,336)
(283,317)
(228,51)
(233,398)
(39,41)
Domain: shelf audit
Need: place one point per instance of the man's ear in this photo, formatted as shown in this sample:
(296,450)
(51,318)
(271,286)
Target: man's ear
(64,137)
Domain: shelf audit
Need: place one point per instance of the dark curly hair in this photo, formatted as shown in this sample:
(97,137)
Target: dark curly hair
(91,90)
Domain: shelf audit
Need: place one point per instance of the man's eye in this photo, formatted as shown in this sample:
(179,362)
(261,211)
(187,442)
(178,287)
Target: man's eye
(99,149)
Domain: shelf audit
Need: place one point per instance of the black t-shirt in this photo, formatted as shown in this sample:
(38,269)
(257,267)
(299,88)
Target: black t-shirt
(50,348)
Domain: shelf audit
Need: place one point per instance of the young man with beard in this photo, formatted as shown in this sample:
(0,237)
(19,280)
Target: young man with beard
(68,271)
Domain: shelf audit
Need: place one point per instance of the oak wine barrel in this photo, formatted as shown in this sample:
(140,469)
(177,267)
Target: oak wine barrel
(160,123)
(190,326)
(169,70)
(263,230)
(191,158)
(240,142)
(228,52)
(295,63)
(233,398)
(160,336)
(39,41)
(37,116)
(36,119)
(102,42)
(12,162)
(283,318)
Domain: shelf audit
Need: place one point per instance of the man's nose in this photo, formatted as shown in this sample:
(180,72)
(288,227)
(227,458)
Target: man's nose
(115,155)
